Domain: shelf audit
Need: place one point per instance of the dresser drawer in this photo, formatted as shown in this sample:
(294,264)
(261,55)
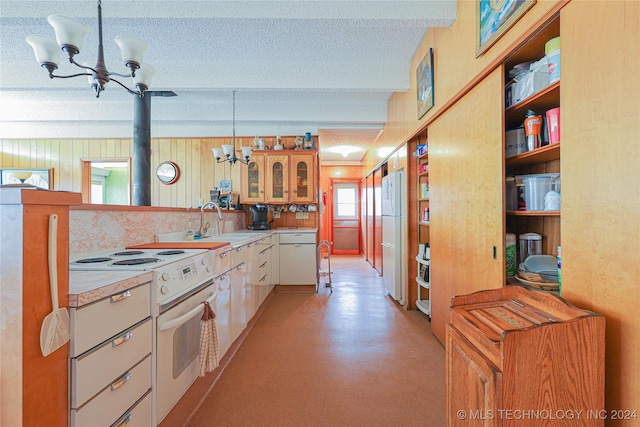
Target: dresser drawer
(113,401)
(97,322)
(92,371)
(139,415)
(288,238)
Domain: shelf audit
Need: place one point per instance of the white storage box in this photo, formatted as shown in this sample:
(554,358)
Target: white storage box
(515,142)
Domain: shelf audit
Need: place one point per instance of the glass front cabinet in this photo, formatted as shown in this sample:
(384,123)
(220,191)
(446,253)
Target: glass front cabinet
(253,180)
(277,179)
(302,178)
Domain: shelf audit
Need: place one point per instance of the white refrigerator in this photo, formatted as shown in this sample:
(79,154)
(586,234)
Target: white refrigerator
(392,242)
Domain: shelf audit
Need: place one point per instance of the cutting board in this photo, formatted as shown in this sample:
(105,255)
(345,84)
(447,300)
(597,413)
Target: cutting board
(180,245)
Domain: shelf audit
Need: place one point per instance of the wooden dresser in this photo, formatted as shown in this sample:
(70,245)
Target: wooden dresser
(517,357)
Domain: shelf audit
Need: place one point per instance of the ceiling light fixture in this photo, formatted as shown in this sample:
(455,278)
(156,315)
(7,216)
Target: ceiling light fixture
(70,37)
(229,150)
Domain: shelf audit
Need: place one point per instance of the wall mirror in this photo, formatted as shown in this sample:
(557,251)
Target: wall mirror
(168,172)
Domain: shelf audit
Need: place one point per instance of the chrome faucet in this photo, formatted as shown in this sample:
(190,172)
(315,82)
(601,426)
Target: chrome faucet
(204,228)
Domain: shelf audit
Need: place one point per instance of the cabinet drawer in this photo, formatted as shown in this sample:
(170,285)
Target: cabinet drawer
(286,238)
(239,255)
(138,416)
(222,261)
(101,320)
(109,405)
(92,371)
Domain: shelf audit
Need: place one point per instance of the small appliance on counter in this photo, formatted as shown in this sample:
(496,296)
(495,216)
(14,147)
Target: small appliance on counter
(259,218)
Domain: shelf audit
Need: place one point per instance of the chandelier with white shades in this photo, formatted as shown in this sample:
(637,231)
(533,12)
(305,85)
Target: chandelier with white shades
(70,35)
(229,150)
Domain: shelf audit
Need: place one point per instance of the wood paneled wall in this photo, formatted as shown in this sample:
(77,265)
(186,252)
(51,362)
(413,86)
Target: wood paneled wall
(600,156)
(199,172)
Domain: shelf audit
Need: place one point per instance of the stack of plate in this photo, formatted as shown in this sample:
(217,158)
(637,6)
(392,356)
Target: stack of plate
(539,271)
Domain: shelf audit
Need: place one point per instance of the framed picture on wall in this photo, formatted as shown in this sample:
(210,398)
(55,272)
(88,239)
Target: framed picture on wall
(424,84)
(42,178)
(494,17)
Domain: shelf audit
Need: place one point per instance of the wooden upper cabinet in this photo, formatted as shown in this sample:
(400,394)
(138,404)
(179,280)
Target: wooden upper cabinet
(302,178)
(253,180)
(277,179)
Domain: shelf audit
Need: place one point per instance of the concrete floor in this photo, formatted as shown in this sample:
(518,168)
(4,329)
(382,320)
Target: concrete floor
(353,357)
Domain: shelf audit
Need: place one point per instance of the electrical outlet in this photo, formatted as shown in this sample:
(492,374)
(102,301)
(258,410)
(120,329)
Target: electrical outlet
(276,215)
(302,215)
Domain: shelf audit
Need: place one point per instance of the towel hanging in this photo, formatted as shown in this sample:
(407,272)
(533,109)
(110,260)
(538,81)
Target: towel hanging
(208,340)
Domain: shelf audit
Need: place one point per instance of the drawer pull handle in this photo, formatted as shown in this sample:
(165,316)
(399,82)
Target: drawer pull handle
(120,297)
(122,339)
(297,245)
(222,255)
(264,278)
(120,381)
(264,265)
(124,421)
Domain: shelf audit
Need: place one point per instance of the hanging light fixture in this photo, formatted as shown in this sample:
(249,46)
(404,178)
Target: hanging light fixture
(229,150)
(70,37)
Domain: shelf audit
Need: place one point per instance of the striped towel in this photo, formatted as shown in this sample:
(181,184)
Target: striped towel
(208,341)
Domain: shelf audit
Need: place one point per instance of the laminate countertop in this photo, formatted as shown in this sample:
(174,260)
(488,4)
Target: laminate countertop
(88,286)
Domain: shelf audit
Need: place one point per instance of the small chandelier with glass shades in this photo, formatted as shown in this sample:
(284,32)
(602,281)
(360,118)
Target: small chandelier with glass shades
(229,150)
(70,35)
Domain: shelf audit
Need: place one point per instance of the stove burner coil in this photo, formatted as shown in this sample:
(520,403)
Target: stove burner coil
(136,261)
(92,260)
(172,252)
(128,253)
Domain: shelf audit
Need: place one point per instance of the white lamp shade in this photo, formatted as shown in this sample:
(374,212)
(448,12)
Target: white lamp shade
(246,151)
(131,48)
(144,75)
(228,149)
(90,78)
(69,31)
(46,49)
(217,152)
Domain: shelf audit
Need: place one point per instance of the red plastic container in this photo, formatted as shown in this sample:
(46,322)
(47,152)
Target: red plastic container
(553,125)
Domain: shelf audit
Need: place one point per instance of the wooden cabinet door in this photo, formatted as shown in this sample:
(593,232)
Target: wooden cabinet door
(474,385)
(253,177)
(302,178)
(277,177)
(466,198)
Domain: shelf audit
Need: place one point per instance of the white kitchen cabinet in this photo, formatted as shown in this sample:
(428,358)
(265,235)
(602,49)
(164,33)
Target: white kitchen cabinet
(223,313)
(110,348)
(298,258)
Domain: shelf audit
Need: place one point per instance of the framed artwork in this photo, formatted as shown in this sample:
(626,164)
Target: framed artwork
(494,17)
(42,178)
(424,84)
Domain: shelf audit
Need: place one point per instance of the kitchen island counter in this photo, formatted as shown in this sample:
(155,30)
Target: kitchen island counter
(88,286)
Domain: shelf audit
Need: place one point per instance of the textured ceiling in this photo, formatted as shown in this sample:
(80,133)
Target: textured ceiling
(326,67)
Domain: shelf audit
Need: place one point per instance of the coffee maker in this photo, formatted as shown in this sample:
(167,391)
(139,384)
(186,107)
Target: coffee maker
(259,217)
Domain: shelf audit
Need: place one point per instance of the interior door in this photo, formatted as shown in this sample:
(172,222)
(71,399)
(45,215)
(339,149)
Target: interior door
(345,217)
(369,214)
(377,220)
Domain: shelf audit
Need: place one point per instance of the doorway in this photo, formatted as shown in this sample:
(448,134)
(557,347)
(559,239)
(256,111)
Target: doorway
(106,181)
(345,218)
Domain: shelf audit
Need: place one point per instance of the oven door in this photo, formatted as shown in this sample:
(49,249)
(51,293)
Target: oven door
(178,347)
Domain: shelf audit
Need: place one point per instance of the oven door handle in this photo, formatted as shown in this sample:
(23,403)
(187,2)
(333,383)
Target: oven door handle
(185,317)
